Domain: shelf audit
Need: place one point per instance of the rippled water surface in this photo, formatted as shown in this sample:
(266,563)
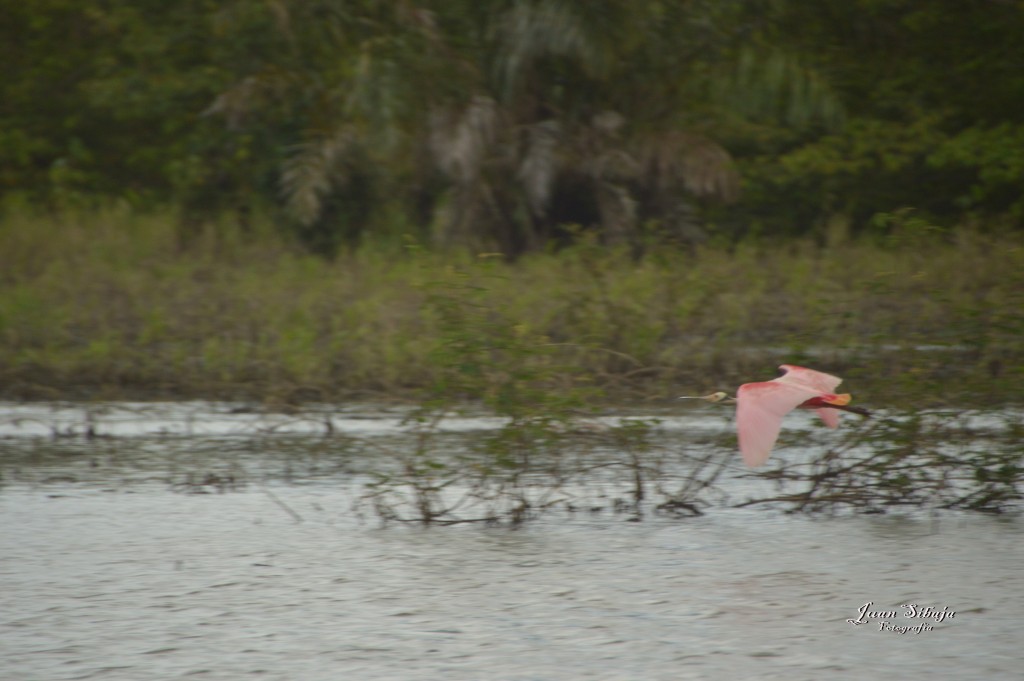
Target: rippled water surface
(109,571)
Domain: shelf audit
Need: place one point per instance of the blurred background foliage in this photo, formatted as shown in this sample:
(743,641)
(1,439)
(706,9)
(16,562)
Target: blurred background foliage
(495,125)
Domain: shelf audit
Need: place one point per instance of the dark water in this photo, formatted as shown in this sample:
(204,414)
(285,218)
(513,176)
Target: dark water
(109,570)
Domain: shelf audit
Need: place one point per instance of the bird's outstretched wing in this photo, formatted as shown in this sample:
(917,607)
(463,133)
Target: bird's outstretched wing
(760,408)
(816,380)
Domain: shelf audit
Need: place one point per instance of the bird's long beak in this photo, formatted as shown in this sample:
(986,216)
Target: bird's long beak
(717,398)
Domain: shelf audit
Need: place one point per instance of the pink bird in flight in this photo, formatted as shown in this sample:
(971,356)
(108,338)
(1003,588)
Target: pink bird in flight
(760,407)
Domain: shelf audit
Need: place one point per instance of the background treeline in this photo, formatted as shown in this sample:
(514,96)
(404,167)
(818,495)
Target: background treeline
(495,125)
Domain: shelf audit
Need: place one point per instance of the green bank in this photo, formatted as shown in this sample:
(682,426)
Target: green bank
(114,305)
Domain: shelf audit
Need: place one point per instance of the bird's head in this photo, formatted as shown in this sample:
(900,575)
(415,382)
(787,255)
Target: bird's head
(718,398)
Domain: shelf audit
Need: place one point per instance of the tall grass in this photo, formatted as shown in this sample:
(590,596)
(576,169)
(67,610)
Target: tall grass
(113,305)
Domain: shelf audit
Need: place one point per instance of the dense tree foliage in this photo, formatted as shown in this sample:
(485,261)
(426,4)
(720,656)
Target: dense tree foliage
(497,124)
(933,94)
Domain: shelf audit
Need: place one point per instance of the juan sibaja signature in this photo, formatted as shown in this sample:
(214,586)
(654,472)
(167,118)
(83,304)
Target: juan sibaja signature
(924,615)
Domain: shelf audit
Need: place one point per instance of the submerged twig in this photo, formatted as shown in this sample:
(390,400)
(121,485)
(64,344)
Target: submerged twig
(287,509)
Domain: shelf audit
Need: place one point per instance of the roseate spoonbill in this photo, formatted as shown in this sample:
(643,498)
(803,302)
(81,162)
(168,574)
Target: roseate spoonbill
(760,407)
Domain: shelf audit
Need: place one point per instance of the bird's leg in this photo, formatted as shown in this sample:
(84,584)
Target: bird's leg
(860,411)
(840,402)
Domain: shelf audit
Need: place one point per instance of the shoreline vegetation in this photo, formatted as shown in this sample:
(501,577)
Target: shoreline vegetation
(533,212)
(110,305)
